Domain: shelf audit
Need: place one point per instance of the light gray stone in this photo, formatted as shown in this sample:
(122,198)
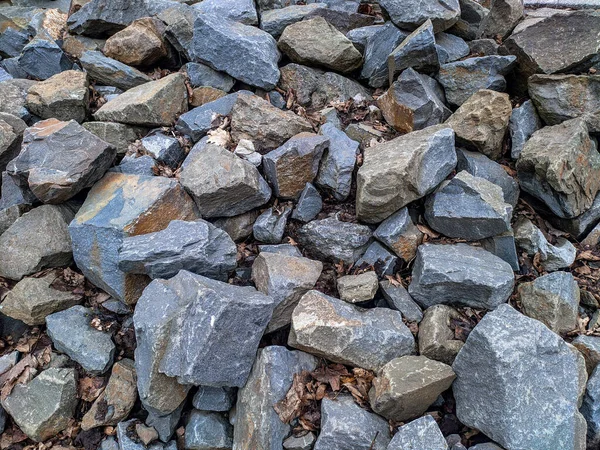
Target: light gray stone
(13,94)
(591,409)
(410,14)
(436,337)
(360,36)
(398,298)
(450,48)
(209,398)
(589,346)
(243,11)
(304,442)
(203,75)
(207,430)
(358,288)
(116,134)
(274,21)
(164,149)
(417,51)
(8,361)
(270,225)
(419,434)
(281,249)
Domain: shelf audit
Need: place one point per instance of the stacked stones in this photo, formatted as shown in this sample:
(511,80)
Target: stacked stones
(198,164)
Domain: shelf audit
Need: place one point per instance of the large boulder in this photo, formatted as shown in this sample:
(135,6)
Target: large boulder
(98,18)
(518,358)
(412,13)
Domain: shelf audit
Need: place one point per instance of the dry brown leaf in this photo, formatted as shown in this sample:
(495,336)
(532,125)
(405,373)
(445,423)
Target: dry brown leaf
(90,388)
(428,231)
(290,407)
(587,255)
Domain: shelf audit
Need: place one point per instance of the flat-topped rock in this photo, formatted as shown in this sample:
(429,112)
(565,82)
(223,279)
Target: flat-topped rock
(111,72)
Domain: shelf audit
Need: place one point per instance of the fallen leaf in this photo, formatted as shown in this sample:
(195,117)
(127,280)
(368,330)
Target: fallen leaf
(90,388)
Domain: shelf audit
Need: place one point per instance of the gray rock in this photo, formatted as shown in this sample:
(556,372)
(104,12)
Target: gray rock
(202,75)
(72,333)
(484,47)
(238,227)
(462,79)
(459,274)
(591,409)
(334,240)
(533,349)
(581,225)
(309,204)
(468,207)
(376,255)
(116,134)
(222,184)
(358,288)
(333,87)
(207,430)
(105,17)
(43,58)
(413,13)
(243,11)
(360,36)
(144,165)
(37,240)
(344,424)
(552,299)
(402,170)
(198,247)
(418,51)
(270,225)
(471,15)
(420,433)
(224,45)
(164,149)
(44,406)
(502,18)
(209,398)
(257,423)
(4,75)
(281,249)
(164,424)
(369,338)
(111,72)
(398,298)
(109,443)
(450,48)
(303,80)
(304,442)
(399,233)
(343,20)
(12,42)
(12,69)
(10,143)
(13,94)
(365,135)
(503,246)
(274,21)
(436,336)
(589,346)
(486,446)
(377,49)
(7,362)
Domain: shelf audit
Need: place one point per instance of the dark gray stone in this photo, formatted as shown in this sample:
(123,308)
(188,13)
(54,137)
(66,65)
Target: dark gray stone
(502,18)
(450,48)
(303,80)
(4,75)
(12,42)
(207,430)
(270,225)
(377,49)
(164,149)
(304,442)
(105,17)
(202,75)
(379,257)
(111,72)
(419,434)
(117,134)
(591,409)
(214,398)
(238,227)
(413,13)
(484,47)
(143,165)
(43,58)
(398,298)
(581,225)
(333,87)
(471,15)
(164,424)
(343,20)
(418,51)
(282,249)
(274,21)
(400,234)
(12,69)
(309,204)
(503,246)
(243,11)
(360,36)
(180,20)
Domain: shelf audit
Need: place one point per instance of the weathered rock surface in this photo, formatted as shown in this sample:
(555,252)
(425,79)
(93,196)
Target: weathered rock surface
(589,346)
(163,148)
(591,409)
(358,288)
(309,204)
(420,433)
(243,11)
(503,246)
(209,398)
(203,75)
(270,225)
(411,14)
(377,49)
(13,94)
(111,72)
(206,430)
(105,17)
(450,47)
(417,51)
(116,134)
(48,51)
(502,18)
(305,442)
(238,227)
(141,43)
(436,337)
(274,21)
(399,233)
(398,298)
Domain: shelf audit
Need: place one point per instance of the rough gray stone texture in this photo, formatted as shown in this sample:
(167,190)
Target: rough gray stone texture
(72,333)
(37,240)
(399,233)
(458,274)
(304,442)
(486,446)
(378,256)
(334,240)
(398,298)
(243,11)
(32,299)
(378,47)
(303,80)
(358,288)
(164,424)
(10,142)
(510,352)
(552,299)
(436,337)
(309,204)
(450,48)
(484,47)
(111,72)
(581,225)
(462,79)
(198,247)
(105,17)
(524,121)
(257,424)
(402,170)
(591,409)
(8,361)
(144,165)
(419,434)
(589,346)
(238,227)
(502,18)
(412,13)
(343,20)
(274,21)
(331,328)
(244,52)
(165,149)
(209,398)
(270,225)
(12,42)
(116,134)
(60,159)
(344,425)
(207,430)
(13,94)
(44,406)
(281,249)
(468,207)
(203,75)
(222,184)
(560,165)
(285,279)
(503,246)
(42,58)
(417,51)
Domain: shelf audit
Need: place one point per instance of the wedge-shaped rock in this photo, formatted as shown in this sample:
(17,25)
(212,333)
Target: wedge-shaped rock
(221,184)
(111,72)
(450,48)
(511,352)
(257,423)
(436,337)
(119,206)
(59,159)
(402,170)
(116,134)
(560,165)
(243,11)
(274,21)
(397,298)
(377,49)
(412,13)
(589,346)
(358,288)
(198,247)
(400,234)
(417,51)
(269,227)
(157,103)
(206,430)
(459,274)
(208,398)
(105,17)
(420,433)
(331,328)
(468,207)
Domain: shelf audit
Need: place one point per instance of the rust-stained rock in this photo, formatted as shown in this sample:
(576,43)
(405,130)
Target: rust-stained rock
(205,94)
(140,44)
(436,337)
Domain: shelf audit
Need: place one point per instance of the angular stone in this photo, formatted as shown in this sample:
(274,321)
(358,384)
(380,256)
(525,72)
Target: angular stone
(209,398)
(398,298)
(593,237)
(578,226)
(411,14)
(111,72)
(12,42)
(344,424)
(342,19)
(377,49)
(420,433)
(331,328)
(146,434)
(378,256)
(552,299)
(63,96)
(503,246)
(510,351)
(502,18)
(243,11)
(450,48)
(484,47)
(589,346)
(303,80)
(141,43)
(458,274)
(257,423)
(164,424)
(37,240)
(102,223)
(274,21)
(481,122)
(116,134)
(77,45)
(44,406)
(9,144)
(468,207)
(32,299)
(244,52)
(13,94)
(405,387)
(309,204)
(42,58)
(238,227)
(417,51)
(7,362)
(365,135)
(358,288)
(222,184)
(436,337)
(281,249)
(334,240)
(205,94)
(304,442)
(561,166)
(60,159)
(163,148)
(360,36)
(399,233)
(333,87)
(105,17)
(463,79)
(591,409)
(206,430)
(202,75)
(265,125)
(402,170)
(117,400)
(157,103)
(270,225)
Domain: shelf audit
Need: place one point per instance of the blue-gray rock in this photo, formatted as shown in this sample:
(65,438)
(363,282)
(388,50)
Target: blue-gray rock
(116,306)
(552,299)
(257,422)
(398,298)
(4,75)
(360,37)
(510,351)
(243,11)
(12,69)
(7,362)
(164,424)
(337,163)
(413,13)
(334,240)
(221,184)
(208,430)
(16,199)
(43,58)
(346,425)
(589,346)
(12,42)
(109,443)
(198,247)
(450,48)
(381,258)
(400,234)
(524,121)
(309,204)
(128,438)
(274,21)
(209,398)
(419,434)
(591,409)
(165,149)
(72,333)
(111,72)
(304,442)
(13,94)
(270,225)
(486,446)
(502,18)
(282,249)
(484,47)
(105,17)
(331,116)
(579,226)
(303,80)
(503,246)
(418,51)
(244,52)
(238,227)
(202,75)
(343,20)
(180,20)
(371,338)
(277,100)
(462,79)
(459,274)
(377,49)
(143,165)
(10,143)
